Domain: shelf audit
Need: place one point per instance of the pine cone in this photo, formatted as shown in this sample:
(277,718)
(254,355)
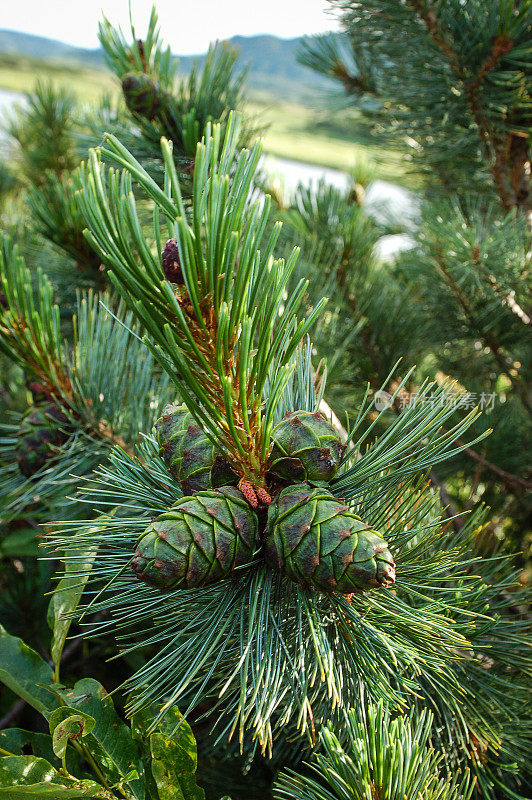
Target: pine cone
(142,95)
(200,540)
(189,454)
(169,431)
(305,448)
(171,264)
(316,541)
(42,430)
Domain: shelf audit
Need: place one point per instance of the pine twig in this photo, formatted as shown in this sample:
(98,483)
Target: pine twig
(486,336)
(509,480)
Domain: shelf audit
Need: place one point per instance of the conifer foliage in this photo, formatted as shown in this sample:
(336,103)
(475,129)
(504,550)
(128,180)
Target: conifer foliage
(448,84)
(293,588)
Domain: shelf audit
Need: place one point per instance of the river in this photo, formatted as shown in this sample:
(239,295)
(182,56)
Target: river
(387,202)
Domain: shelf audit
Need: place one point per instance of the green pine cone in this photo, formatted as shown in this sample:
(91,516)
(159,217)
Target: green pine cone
(41,431)
(189,454)
(142,95)
(316,541)
(200,540)
(202,466)
(169,431)
(305,448)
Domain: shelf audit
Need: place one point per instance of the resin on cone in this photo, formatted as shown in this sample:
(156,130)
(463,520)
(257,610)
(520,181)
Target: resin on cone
(315,540)
(199,541)
(305,448)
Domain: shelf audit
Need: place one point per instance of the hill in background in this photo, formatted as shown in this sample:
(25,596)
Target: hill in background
(292,102)
(273,65)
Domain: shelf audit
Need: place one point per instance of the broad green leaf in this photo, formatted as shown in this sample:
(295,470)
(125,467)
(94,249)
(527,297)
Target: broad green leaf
(25,769)
(23,743)
(30,778)
(110,740)
(66,725)
(24,672)
(140,723)
(47,791)
(66,598)
(19,742)
(174,759)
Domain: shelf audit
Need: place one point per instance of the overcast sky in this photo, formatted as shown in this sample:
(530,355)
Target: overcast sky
(187,26)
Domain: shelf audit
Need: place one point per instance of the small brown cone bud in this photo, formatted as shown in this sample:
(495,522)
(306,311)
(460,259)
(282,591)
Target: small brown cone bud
(171,264)
(39,392)
(249,493)
(263,496)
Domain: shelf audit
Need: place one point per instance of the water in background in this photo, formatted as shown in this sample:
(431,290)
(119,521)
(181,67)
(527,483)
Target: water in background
(388,203)
(7,101)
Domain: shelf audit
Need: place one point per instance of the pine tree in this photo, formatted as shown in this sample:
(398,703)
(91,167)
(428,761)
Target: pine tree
(294,584)
(449,84)
(320,646)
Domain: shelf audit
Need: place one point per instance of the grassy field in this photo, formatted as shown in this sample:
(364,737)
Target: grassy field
(300,133)
(290,130)
(19,74)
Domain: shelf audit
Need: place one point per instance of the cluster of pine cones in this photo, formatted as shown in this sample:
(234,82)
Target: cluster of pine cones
(218,528)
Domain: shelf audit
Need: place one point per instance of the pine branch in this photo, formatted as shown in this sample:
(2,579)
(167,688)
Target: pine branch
(56,217)
(219,332)
(376,757)
(513,483)
(428,16)
(43,129)
(471,108)
(487,336)
(163,105)
(30,331)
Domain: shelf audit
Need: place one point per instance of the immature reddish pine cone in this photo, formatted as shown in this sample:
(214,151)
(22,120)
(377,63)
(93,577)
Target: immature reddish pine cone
(171,263)
(249,492)
(263,497)
(39,392)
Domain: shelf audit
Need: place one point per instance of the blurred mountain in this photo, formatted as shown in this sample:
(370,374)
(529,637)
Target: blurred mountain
(273,67)
(25,44)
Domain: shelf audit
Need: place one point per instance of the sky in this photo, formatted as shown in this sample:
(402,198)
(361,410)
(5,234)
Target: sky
(187,26)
